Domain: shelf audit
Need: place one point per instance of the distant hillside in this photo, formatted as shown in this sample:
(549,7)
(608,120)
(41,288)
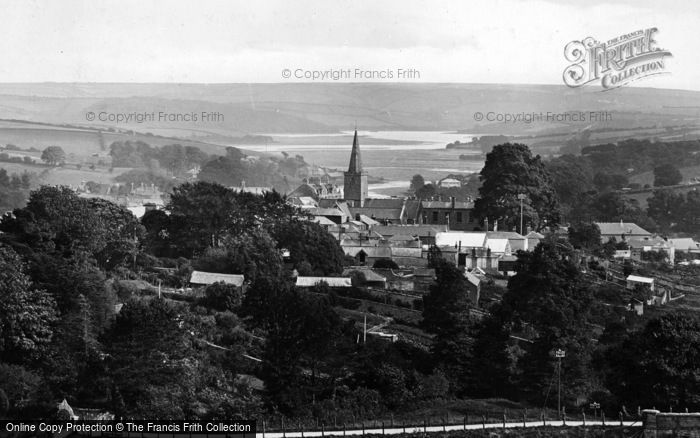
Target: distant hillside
(326,108)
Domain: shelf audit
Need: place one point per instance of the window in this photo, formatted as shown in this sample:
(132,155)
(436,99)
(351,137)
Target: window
(435,217)
(459,217)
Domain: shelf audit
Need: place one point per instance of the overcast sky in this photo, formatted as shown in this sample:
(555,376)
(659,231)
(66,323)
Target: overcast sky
(507,41)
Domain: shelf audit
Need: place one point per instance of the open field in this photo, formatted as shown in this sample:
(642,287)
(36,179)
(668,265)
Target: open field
(67,175)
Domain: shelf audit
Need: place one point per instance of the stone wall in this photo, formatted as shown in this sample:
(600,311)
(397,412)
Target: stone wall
(668,424)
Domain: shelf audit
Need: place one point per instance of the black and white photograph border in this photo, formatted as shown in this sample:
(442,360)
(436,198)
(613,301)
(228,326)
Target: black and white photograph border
(297,219)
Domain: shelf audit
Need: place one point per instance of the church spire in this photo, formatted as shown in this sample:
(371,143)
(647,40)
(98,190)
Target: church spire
(355,157)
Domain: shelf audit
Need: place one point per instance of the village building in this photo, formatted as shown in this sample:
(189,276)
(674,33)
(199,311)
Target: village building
(456,215)
(201,278)
(621,231)
(355,188)
(449,183)
(517,242)
(474,286)
(685,245)
(334,282)
(370,277)
(639,246)
(425,233)
(533,239)
(634,280)
(251,189)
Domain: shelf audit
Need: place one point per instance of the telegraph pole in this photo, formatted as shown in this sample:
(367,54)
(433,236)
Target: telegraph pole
(521,197)
(559,354)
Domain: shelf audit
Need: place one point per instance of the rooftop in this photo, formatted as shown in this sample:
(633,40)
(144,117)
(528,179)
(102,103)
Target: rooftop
(620,228)
(200,277)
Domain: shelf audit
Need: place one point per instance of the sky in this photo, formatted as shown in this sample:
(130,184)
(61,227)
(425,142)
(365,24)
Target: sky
(206,41)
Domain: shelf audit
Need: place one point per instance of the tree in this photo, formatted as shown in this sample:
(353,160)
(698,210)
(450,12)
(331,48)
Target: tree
(585,235)
(549,299)
(26,313)
(222,296)
(426,191)
(667,175)
(417,182)
(199,215)
(660,364)
(54,156)
(511,170)
(385,264)
(308,242)
(667,208)
(446,314)
(571,179)
(151,352)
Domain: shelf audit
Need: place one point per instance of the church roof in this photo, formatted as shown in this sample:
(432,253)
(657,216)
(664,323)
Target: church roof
(355,157)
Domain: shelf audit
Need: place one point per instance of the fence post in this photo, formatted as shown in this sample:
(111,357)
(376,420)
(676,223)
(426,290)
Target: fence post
(403,423)
(425,425)
(483,421)
(323,430)
(465,421)
(382,427)
(524,419)
(583,413)
(544,422)
(563,416)
(621,422)
(504,421)
(602,417)
(263,425)
(343,428)
(302,429)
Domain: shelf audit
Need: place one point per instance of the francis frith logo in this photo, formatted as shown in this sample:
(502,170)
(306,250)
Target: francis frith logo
(616,62)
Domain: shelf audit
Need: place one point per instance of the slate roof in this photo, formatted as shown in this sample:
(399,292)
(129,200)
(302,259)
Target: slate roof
(534,235)
(684,244)
(638,279)
(369,274)
(473,279)
(371,251)
(468,239)
(620,228)
(200,277)
(411,230)
(648,241)
(368,220)
(510,235)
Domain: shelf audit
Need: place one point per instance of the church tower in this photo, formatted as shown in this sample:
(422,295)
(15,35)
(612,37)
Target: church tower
(355,186)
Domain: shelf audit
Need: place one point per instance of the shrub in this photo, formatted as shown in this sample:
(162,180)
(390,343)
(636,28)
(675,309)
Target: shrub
(222,296)
(385,264)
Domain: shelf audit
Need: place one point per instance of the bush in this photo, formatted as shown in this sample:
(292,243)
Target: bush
(385,264)
(222,296)
(418,304)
